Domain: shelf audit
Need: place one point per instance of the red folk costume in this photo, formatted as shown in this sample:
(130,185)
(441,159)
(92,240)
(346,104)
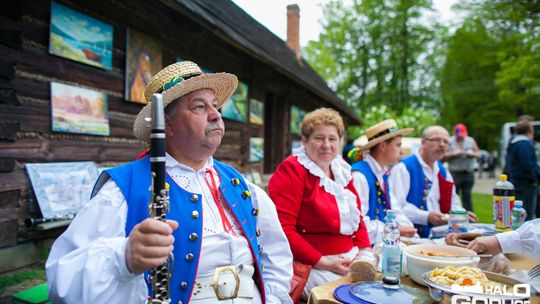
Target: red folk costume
(319,215)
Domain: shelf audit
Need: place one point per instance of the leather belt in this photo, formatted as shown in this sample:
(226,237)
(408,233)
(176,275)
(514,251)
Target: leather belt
(227,282)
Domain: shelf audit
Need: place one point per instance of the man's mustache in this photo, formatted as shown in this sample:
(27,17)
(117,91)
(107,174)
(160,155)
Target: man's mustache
(212,127)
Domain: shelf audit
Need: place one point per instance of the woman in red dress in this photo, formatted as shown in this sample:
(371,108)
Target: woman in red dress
(317,204)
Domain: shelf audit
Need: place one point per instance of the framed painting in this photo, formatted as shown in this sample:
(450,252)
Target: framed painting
(256,149)
(62,188)
(297,116)
(256,112)
(79,110)
(79,37)
(143,61)
(236,107)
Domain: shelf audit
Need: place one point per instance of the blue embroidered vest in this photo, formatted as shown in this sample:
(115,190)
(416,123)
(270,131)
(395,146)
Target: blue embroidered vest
(133,179)
(419,188)
(379,202)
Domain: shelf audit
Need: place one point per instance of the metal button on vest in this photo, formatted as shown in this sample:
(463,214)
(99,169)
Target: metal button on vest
(179,302)
(189,257)
(194,214)
(194,198)
(183,285)
(193,237)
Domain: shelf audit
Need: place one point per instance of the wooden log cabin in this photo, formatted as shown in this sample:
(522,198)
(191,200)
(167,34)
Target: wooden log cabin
(216,34)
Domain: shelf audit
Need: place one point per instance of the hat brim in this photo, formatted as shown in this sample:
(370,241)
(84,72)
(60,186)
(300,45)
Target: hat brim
(380,139)
(222,84)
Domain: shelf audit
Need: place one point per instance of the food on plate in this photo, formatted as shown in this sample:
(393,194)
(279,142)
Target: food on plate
(463,276)
(436,253)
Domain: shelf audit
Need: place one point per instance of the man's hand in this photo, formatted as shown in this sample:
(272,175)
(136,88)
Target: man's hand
(437,218)
(334,264)
(149,245)
(407,231)
(454,238)
(472,217)
(486,244)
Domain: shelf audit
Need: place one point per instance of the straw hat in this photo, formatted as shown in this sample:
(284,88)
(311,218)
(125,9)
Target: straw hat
(177,80)
(383,131)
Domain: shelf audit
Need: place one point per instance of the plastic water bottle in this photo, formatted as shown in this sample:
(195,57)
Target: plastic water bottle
(391,253)
(503,202)
(519,214)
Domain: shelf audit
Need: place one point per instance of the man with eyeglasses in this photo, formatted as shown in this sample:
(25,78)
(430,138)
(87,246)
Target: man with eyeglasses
(422,186)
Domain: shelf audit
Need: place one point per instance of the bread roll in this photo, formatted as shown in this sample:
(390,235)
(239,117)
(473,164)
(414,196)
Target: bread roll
(364,266)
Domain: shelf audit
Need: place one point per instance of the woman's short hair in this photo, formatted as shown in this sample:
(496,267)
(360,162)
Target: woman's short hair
(322,116)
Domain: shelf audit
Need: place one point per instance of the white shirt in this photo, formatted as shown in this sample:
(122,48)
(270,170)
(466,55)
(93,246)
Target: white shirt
(375,227)
(400,184)
(87,262)
(525,240)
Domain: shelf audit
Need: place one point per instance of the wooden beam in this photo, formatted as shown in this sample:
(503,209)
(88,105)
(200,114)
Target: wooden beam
(8,130)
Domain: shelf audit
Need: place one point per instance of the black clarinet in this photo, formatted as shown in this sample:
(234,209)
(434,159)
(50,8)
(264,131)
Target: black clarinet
(158,207)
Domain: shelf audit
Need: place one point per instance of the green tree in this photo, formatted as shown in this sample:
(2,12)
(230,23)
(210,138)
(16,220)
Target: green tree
(374,52)
(468,82)
(418,119)
(492,69)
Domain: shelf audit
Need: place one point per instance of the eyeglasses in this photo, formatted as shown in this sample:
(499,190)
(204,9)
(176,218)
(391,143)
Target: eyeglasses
(438,140)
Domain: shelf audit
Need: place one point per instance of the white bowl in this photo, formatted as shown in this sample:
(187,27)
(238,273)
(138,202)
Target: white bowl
(418,264)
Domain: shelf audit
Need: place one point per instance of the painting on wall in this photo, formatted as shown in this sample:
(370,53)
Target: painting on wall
(256,112)
(78,110)
(256,149)
(79,37)
(143,60)
(236,107)
(297,115)
(62,188)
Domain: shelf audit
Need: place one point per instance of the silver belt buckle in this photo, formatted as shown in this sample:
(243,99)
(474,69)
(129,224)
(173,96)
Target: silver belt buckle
(215,281)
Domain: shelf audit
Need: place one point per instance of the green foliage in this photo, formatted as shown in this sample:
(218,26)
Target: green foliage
(376,52)
(410,118)
(492,71)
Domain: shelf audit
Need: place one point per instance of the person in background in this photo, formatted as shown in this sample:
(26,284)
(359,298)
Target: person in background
(523,167)
(461,154)
(521,118)
(370,177)
(317,204)
(422,187)
(491,164)
(216,218)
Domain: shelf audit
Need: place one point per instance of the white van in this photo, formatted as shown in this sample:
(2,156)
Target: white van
(508,130)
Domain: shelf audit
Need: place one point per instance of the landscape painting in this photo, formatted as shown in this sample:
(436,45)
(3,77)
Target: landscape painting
(79,110)
(79,37)
(62,188)
(143,60)
(256,149)
(236,107)
(256,112)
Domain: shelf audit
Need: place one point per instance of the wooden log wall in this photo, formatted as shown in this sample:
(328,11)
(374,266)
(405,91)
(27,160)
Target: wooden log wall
(27,69)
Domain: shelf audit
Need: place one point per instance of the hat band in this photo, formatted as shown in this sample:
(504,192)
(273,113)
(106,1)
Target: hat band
(176,80)
(387,131)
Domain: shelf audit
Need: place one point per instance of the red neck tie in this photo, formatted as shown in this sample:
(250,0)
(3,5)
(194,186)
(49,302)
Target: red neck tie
(213,189)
